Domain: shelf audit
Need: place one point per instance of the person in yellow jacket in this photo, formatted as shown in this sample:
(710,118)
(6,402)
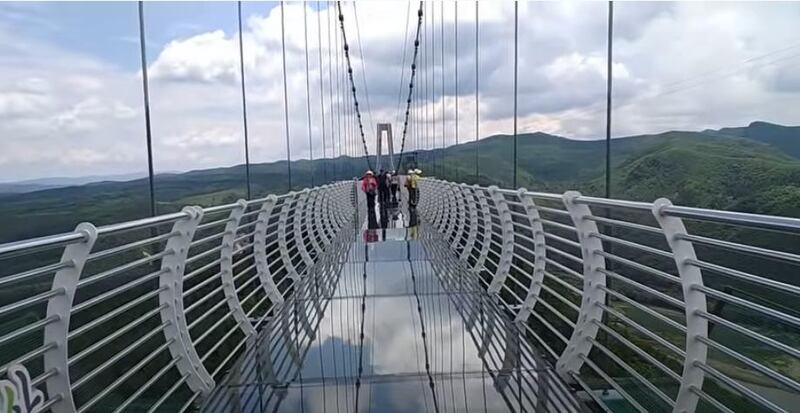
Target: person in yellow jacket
(412,184)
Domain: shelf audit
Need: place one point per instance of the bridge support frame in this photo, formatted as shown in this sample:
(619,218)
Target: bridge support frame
(449,211)
(60,306)
(283,217)
(539,262)
(695,302)
(507,248)
(320,218)
(311,205)
(176,331)
(593,298)
(458,229)
(299,218)
(472,234)
(226,269)
(260,250)
(487,222)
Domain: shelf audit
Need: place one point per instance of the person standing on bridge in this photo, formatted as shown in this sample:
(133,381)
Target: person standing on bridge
(383,189)
(413,188)
(394,186)
(370,186)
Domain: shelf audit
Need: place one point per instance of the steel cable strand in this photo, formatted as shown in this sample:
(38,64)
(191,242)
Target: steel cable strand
(308,95)
(330,93)
(346,49)
(477,95)
(286,101)
(361,336)
(424,342)
(337,144)
(363,64)
(444,120)
(244,103)
(410,86)
(321,92)
(432,75)
(516,66)
(403,64)
(425,105)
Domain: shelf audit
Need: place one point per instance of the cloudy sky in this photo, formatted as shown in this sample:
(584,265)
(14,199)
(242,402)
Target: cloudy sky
(71,100)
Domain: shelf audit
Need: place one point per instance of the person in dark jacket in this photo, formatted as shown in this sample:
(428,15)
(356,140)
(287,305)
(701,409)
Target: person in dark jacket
(383,189)
(394,185)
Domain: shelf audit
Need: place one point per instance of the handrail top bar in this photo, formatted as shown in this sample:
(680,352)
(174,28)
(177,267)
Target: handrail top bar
(35,244)
(11,249)
(544,195)
(762,221)
(620,203)
(772,222)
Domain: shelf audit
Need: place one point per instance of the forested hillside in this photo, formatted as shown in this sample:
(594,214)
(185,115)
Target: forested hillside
(751,169)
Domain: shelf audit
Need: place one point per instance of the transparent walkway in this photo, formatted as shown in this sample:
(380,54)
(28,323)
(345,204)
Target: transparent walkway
(390,324)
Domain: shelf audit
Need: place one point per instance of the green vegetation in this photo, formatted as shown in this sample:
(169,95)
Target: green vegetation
(749,169)
(701,169)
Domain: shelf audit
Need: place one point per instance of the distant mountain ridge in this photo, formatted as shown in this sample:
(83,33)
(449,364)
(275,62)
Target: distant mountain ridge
(785,138)
(39,184)
(755,168)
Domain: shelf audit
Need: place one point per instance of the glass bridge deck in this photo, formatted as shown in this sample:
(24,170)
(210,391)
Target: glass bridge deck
(395,325)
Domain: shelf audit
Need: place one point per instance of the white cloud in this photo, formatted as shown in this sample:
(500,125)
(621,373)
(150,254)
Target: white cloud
(677,66)
(17,104)
(207,57)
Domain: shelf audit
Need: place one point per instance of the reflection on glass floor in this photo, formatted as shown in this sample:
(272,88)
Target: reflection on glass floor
(394,326)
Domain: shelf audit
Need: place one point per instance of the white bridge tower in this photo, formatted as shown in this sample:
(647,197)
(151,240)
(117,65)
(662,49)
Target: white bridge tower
(384,127)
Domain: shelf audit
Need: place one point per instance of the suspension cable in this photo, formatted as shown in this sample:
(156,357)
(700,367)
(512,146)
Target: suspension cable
(441,54)
(308,94)
(321,92)
(433,86)
(516,64)
(244,103)
(403,65)
(363,64)
(352,83)
(411,85)
(330,96)
(425,77)
(339,132)
(361,336)
(455,43)
(477,96)
(609,77)
(146,97)
(348,111)
(286,101)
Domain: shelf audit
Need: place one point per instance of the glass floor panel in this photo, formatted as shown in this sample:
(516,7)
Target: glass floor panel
(386,331)
(387,278)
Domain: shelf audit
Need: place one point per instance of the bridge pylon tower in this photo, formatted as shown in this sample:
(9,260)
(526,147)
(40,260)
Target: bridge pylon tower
(384,127)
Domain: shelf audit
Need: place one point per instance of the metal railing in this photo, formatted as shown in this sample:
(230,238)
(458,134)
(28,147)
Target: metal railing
(641,306)
(148,315)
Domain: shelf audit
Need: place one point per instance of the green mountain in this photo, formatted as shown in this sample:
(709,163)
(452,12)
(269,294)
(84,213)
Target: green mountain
(703,169)
(785,138)
(750,169)
(57,210)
